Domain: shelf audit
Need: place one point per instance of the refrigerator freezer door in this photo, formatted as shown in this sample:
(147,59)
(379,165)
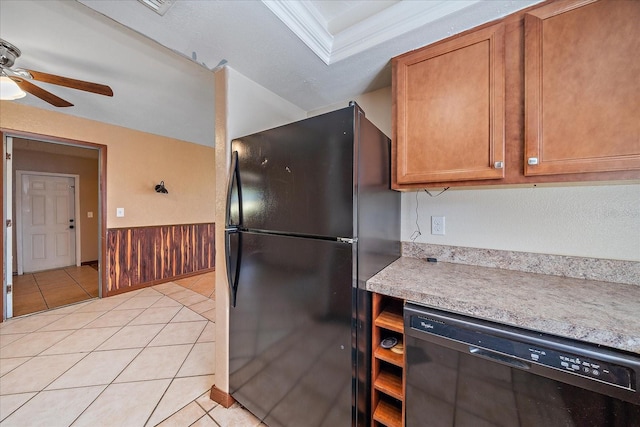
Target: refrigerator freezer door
(298,178)
(234,206)
(290,334)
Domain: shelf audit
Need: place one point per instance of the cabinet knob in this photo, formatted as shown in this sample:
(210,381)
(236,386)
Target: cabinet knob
(498,165)
(532,161)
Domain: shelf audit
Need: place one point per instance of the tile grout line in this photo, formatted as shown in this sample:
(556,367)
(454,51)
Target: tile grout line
(128,364)
(206,414)
(147,346)
(47,303)
(37,393)
(57,342)
(160,400)
(120,328)
(172,379)
(67,370)
(181,365)
(77,283)
(111,382)
(35,280)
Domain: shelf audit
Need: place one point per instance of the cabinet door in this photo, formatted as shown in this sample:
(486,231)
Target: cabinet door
(449,110)
(582,87)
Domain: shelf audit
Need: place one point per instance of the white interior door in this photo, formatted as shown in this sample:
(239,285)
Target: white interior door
(7,289)
(48,222)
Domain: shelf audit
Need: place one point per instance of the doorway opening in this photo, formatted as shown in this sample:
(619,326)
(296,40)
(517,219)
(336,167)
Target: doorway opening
(54,208)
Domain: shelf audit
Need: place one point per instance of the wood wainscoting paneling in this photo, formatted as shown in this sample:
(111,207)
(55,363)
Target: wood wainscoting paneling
(144,256)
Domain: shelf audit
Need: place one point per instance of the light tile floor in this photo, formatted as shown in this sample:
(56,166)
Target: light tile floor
(143,358)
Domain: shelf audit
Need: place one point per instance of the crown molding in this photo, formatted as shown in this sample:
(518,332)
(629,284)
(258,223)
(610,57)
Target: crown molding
(305,24)
(303,19)
(392,22)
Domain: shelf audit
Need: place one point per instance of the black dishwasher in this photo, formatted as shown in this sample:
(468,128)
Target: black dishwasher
(463,371)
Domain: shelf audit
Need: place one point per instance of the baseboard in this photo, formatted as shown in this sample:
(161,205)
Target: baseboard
(221,397)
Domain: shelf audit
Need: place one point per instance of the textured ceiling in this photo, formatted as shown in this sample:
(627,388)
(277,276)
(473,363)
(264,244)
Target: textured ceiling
(155,89)
(160,66)
(252,40)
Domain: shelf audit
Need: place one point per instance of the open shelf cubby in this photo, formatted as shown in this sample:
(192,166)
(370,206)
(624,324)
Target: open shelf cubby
(388,372)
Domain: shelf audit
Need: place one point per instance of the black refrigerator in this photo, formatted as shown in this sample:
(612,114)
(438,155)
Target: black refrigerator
(310,217)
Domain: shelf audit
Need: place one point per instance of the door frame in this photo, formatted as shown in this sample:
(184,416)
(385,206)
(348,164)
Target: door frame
(102,204)
(6,302)
(18,219)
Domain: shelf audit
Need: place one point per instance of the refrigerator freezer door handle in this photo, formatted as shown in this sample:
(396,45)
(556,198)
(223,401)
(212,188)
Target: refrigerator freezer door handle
(233,175)
(232,276)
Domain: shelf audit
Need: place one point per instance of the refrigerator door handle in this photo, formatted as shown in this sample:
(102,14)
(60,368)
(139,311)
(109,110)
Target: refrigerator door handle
(347,240)
(233,176)
(233,276)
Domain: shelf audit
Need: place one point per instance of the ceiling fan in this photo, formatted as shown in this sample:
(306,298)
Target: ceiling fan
(21,77)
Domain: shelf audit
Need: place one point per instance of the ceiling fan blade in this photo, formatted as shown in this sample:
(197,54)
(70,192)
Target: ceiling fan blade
(41,93)
(72,83)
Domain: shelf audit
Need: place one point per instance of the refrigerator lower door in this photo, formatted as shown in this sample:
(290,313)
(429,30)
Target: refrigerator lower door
(290,333)
(233,244)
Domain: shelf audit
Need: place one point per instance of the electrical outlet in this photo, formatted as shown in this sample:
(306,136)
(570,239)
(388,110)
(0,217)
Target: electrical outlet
(437,225)
(119,212)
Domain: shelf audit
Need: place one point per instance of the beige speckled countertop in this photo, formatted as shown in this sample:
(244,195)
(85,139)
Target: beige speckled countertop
(597,312)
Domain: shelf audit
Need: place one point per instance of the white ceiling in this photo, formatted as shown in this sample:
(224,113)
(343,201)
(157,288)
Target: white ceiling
(311,53)
(155,90)
(254,41)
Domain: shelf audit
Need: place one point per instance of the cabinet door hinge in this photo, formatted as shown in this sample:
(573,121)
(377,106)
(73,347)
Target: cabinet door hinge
(9,223)
(8,156)
(9,289)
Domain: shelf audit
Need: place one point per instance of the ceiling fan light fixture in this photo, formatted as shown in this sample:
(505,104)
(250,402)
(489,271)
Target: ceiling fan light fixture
(9,90)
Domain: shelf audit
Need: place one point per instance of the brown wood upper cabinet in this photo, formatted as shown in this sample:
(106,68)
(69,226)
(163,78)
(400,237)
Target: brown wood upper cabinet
(582,87)
(552,92)
(449,110)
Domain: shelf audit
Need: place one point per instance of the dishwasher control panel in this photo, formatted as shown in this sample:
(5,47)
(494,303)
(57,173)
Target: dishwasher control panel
(515,349)
(588,367)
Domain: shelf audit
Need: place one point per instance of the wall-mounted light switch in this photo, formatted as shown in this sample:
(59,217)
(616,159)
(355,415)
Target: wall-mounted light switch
(119,212)
(89,214)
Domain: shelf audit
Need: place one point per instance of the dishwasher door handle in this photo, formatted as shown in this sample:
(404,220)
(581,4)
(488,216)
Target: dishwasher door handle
(499,357)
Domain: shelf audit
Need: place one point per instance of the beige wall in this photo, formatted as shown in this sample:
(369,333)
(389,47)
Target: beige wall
(136,162)
(586,220)
(87,169)
(376,106)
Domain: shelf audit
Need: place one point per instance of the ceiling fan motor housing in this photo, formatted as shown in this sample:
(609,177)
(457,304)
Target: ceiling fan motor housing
(8,53)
